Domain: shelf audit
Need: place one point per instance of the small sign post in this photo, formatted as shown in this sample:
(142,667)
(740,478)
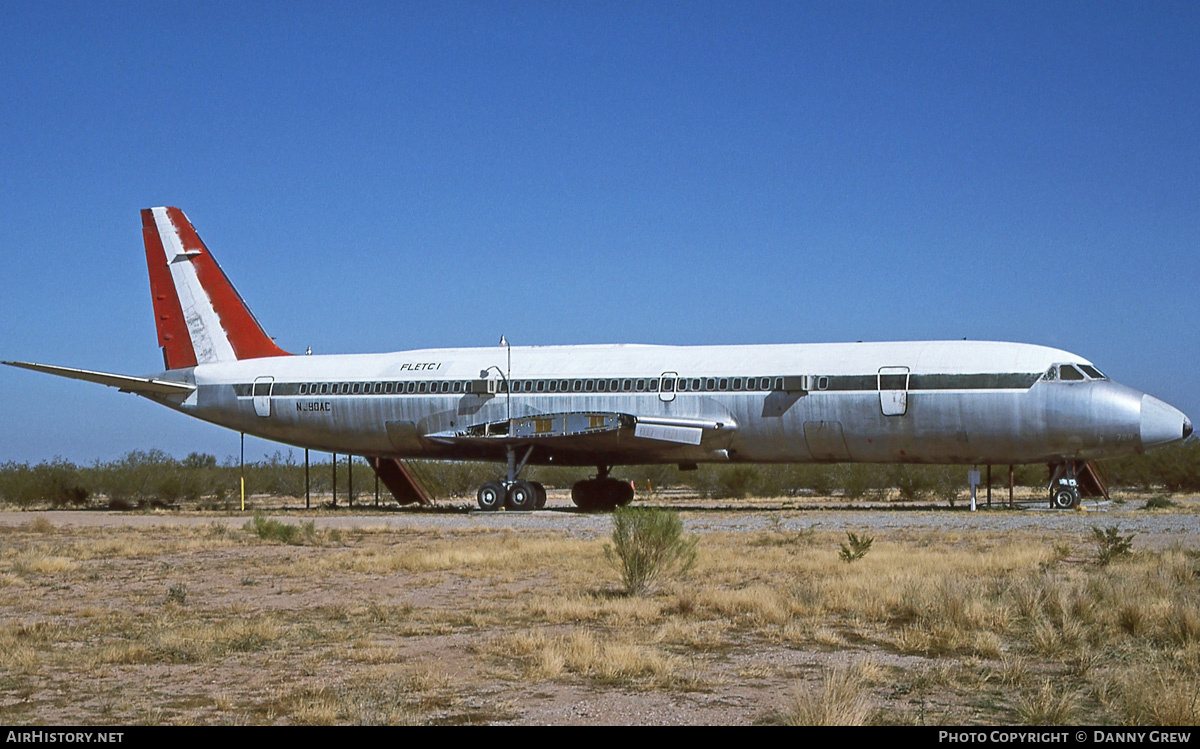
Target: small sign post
(973,480)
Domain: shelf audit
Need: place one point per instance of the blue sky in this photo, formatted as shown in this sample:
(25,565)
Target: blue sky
(382,176)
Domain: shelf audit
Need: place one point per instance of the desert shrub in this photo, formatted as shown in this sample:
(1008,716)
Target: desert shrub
(648,544)
(912,482)
(177,594)
(736,482)
(856,547)
(1158,503)
(857,480)
(947,483)
(456,479)
(1174,467)
(285,533)
(58,482)
(818,478)
(1110,544)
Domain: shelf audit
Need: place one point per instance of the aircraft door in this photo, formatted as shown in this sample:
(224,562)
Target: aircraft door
(893,390)
(667,384)
(262,395)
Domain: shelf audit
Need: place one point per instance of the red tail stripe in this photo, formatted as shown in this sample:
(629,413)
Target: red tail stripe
(245,335)
(172,329)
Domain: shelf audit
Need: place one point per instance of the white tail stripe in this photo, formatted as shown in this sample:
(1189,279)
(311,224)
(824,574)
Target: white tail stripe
(204,325)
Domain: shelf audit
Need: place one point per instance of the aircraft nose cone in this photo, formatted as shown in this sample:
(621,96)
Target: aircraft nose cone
(1162,423)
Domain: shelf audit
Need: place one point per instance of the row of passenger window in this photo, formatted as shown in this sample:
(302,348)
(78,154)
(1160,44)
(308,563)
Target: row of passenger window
(610,385)
(373,388)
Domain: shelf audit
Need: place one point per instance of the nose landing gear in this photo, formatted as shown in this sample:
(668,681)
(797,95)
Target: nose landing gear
(1072,480)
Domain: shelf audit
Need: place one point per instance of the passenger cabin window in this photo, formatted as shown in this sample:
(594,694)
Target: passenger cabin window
(668,385)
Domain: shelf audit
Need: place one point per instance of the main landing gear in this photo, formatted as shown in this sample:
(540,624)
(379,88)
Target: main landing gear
(601,493)
(521,496)
(512,494)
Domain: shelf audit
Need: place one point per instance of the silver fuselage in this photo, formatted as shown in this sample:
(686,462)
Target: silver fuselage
(916,402)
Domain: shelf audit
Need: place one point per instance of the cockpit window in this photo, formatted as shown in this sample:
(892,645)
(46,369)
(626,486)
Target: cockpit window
(1092,372)
(1051,374)
(1068,372)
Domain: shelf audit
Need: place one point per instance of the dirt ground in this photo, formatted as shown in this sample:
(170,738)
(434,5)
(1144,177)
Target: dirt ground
(451,616)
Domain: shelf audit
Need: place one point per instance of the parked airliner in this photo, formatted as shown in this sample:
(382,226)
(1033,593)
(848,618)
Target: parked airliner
(947,402)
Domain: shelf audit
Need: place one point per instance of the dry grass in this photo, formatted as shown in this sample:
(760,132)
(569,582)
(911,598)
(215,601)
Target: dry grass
(1048,706)
(492,625)
(606,660)
(840,700)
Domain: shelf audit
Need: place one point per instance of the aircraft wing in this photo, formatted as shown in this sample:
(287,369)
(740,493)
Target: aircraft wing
(586,430)
(124,383)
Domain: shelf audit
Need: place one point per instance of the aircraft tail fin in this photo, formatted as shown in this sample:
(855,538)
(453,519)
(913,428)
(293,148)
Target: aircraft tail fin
(199,315)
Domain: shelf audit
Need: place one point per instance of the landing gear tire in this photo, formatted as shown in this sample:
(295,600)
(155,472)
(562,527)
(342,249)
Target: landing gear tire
(522,497)
(601,495)
(585,495)
(490,497)
(1064,498)
(541,495)
(623,494)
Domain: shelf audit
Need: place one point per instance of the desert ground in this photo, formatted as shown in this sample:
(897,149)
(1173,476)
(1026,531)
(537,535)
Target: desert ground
(449,616)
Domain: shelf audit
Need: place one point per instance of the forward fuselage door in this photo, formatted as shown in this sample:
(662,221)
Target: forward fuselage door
(893,390)
(667,384)
(262,395)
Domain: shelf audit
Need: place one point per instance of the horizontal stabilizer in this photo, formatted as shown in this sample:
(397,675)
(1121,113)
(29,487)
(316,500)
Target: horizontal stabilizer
(124,383)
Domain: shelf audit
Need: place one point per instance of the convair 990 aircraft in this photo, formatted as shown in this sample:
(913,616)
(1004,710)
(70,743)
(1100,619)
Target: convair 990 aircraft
(948,402)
